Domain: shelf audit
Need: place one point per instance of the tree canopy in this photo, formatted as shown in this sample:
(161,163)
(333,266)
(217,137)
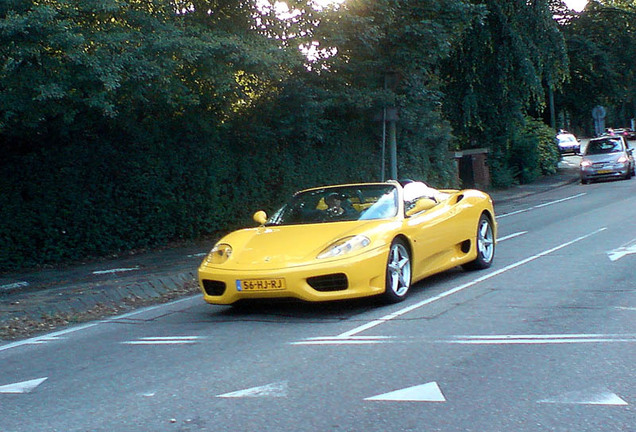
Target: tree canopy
(601,43)
(130,124)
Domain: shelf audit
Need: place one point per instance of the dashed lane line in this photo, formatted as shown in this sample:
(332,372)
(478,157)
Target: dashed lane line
(541,205)
(455,290)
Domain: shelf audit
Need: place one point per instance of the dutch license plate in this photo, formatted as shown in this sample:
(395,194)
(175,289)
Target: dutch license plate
(604,171)
(260,284)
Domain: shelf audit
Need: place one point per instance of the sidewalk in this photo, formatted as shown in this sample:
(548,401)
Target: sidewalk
(32,303)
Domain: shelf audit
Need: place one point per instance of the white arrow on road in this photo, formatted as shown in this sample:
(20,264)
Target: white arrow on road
(589,397)
(622,251)
(278,389)
(22,387)
(14,285)
(428,392)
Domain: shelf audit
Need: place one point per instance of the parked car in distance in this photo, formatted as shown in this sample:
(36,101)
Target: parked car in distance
(568,143)
(628,133)
(605,158)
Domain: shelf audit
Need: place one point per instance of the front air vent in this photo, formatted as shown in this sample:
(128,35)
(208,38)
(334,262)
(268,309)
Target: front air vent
(328,283)
(213,288)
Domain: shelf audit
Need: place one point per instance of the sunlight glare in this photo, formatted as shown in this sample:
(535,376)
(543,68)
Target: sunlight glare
(577,5)
(322,4)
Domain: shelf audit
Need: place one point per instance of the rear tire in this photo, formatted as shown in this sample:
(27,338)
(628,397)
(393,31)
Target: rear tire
(485,244)
(398,272)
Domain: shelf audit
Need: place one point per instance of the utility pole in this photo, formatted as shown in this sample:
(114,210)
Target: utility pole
(552,113)
(383,136)
(551,101)
(391,80)
(392,118)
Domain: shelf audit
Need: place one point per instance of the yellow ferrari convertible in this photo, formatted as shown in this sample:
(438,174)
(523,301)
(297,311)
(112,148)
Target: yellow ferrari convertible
(354,240)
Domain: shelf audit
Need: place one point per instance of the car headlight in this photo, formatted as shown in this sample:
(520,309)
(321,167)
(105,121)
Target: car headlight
(344,246)
(622,160)
(219,254)
(586,163)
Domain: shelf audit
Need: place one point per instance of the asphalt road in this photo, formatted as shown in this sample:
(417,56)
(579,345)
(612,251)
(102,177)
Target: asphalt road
(545,340)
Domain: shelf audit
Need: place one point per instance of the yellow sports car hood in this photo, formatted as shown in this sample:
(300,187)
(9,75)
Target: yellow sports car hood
(272,247)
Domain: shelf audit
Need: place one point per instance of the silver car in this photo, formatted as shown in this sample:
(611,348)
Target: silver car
(568,143)
(605,158)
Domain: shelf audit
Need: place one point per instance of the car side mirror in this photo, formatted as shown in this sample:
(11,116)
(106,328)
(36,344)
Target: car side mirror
(421,205)
(260,217)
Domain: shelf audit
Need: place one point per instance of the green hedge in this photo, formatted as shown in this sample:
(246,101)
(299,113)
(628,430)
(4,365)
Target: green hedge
(533,151)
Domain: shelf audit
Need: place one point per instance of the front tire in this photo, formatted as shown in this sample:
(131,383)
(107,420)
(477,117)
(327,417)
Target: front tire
(398,272)
(485,244)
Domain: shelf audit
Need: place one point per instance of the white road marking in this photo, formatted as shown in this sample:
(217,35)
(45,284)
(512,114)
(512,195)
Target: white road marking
(45,338)
(22,387)
(429,392)
(539,339)
(476,339)
(53,335)
(197,255)
(14,285)
(148,309)
(278,389)
(588,397)
(511,236)
(455,290)
(164,340)
(116,270)
(627,249)
(540,205)
(354,340)
(542,336)
(570,163)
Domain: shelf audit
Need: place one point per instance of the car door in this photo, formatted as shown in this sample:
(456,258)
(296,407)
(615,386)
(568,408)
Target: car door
(437,235)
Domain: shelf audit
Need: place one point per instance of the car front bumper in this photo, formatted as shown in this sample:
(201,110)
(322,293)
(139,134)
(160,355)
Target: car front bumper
(570,149)
(606,172)
(364,275)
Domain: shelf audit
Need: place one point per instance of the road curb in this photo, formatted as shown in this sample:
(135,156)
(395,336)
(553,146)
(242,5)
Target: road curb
(33,312)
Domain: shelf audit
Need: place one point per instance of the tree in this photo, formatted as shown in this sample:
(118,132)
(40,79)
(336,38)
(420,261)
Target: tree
(601,43)
(112,121)
(129,124)
(386,54)
(498,73)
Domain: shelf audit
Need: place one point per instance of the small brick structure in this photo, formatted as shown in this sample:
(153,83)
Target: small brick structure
(472,168)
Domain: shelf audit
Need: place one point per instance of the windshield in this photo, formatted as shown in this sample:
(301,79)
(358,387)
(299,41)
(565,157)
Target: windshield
(602,146)
(337,204)
(566,138)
